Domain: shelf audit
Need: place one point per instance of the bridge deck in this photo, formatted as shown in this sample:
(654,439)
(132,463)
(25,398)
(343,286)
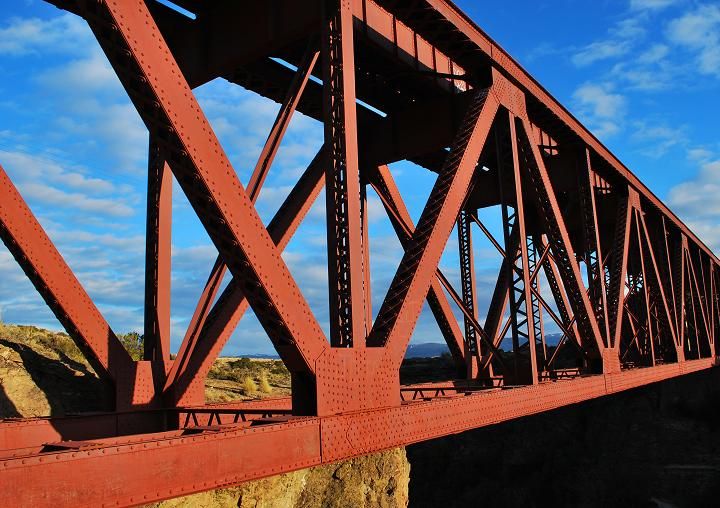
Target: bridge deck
(185,461)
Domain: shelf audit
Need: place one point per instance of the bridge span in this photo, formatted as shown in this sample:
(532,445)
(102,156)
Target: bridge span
(585,249)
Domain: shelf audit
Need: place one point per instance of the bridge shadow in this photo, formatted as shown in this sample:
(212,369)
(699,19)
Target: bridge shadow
(68,385)
(7,407)
(652,446)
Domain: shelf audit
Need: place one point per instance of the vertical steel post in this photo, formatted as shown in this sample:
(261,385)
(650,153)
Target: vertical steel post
(157,264)
(520,288)
(618,270)
(536,306)
(342,186)
(593,251)
(646,291)
(367,281)
(467,282)
(681,302)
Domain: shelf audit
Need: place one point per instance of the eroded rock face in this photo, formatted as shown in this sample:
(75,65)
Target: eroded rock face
(377,481)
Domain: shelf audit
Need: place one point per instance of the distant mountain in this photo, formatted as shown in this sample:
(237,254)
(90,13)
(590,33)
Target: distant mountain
(257,356)
(426,350)
(552,339)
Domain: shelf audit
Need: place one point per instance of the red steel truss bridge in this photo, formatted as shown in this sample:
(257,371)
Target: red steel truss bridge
(586,249)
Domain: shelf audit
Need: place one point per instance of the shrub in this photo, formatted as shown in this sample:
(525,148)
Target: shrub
(278,368)
(242,363)
(264,383)
(249,386)
(134,343)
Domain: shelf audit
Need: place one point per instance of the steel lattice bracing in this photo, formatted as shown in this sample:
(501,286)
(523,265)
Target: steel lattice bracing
(583,248)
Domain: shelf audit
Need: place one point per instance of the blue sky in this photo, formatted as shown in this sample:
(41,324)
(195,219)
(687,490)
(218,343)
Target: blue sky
(643,75)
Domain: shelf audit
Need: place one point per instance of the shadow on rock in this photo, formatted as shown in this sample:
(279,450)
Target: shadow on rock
(70,387)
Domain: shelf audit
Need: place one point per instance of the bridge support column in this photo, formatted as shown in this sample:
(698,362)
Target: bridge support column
(680,354)
(610,360)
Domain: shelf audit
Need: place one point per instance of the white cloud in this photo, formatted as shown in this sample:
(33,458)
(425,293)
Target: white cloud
(37,167)
(48,185)
(699,154)
(696,201)
(699,31)
(53,197)
(620,41)
(23,36)
(651,71)
(85,101)
(601,108)
(698,198)
(602,102)
(654,54)
(91,73)
(629,29)
(93,109)
(652,4)
(602,50)
(658,138)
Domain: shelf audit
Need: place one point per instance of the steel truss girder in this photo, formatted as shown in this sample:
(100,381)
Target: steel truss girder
(193,363)
(465,42)
(635,276)
(384,185)
(355,390)
(295,207)
(554,225)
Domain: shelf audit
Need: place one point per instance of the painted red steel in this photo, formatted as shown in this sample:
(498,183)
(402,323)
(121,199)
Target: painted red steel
(391,80)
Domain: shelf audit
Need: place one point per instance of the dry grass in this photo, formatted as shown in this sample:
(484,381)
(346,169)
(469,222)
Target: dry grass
(228,379)
(54,344)
(265,384)
(249,386)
